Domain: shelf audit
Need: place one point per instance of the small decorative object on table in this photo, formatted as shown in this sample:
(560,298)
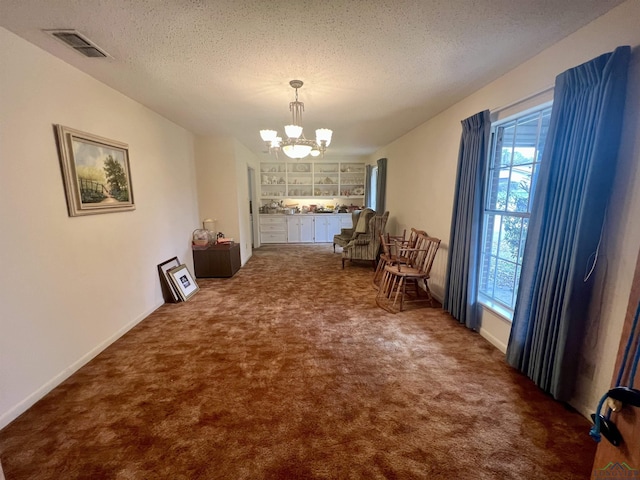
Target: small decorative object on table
(223,240)
(201,237)
(210,226)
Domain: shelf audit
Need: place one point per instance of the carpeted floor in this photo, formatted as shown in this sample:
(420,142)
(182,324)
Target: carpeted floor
(288,370)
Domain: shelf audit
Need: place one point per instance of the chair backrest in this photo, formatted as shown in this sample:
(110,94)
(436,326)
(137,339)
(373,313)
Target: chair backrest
(385,244)
(389,242)
(376,227)
(364,220)
(430,248)
(354,218)
(412,254)
(413,237)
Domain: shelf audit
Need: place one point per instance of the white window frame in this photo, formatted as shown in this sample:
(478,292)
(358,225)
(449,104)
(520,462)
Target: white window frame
(495,304)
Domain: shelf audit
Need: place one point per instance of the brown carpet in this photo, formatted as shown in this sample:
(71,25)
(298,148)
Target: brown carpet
(289,371)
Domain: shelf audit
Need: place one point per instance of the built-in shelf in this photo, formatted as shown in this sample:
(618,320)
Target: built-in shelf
(312,180)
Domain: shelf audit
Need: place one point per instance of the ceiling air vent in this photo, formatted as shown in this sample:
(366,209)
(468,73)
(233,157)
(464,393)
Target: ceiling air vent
(78,42)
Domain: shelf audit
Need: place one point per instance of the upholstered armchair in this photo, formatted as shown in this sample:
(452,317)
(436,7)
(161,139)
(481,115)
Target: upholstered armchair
(366,246)
(348,234)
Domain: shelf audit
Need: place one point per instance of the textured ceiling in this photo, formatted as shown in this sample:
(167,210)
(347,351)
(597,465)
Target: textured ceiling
(373,70)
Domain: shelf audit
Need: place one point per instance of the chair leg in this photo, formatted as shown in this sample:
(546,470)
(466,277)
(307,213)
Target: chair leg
(374,264)
(429,296)
(383,297)
(334,248)
(384,284)
(399,287)
(376,274)
(381,287)
(343,263)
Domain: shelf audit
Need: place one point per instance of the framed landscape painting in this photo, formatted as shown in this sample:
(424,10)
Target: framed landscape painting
(95,171)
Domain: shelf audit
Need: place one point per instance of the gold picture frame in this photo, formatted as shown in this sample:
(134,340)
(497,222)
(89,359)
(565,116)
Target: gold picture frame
(95,172)
(183,281)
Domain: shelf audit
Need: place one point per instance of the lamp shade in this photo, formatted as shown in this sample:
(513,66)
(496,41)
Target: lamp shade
(296,151)
(293,131)
(268,135)
(324,135)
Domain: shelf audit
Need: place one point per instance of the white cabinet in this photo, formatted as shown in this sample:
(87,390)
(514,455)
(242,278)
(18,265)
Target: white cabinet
(273,229)
(300,228)
(346,220)
(326,226)
(306,228)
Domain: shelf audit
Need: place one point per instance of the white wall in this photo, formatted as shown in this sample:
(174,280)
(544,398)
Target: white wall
(422,173)
(223,192)
(216,180)
(244,159)
(71,286)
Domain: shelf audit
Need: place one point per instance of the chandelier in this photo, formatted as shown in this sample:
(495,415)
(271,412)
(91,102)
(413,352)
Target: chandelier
(295,145)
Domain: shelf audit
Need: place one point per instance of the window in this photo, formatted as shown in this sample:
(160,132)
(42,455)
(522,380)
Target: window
(373,188)
(516,152)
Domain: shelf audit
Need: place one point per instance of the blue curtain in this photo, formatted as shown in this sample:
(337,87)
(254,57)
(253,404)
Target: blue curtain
(367,185)
(461,288)
(381,186)
(574,186)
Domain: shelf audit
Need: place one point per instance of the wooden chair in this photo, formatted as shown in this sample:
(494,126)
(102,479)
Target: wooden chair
(391,244)
(397,276)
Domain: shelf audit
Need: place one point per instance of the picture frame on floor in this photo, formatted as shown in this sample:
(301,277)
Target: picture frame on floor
(169,291)
(183,281)
(95,173)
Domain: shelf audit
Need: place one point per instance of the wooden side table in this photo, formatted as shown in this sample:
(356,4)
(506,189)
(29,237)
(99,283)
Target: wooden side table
(216,260)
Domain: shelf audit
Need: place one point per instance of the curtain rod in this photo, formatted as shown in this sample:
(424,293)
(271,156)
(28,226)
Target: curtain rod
(522,100)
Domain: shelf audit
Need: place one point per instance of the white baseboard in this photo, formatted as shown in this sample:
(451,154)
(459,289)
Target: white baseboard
(584,410)
(493,340)
(17,410)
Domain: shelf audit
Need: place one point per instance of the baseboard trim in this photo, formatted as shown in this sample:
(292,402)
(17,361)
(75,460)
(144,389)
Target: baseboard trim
(583,410)
(493,340)
(7,417)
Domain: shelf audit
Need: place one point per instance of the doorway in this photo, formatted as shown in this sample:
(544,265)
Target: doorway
(253,211)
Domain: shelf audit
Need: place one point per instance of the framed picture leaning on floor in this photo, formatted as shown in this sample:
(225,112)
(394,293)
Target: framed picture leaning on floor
(169,290)
(183,282)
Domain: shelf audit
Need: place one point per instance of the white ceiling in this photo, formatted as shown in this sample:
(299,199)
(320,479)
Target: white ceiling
(373,70)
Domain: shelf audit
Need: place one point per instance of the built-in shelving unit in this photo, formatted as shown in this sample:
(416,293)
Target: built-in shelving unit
(299,179)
